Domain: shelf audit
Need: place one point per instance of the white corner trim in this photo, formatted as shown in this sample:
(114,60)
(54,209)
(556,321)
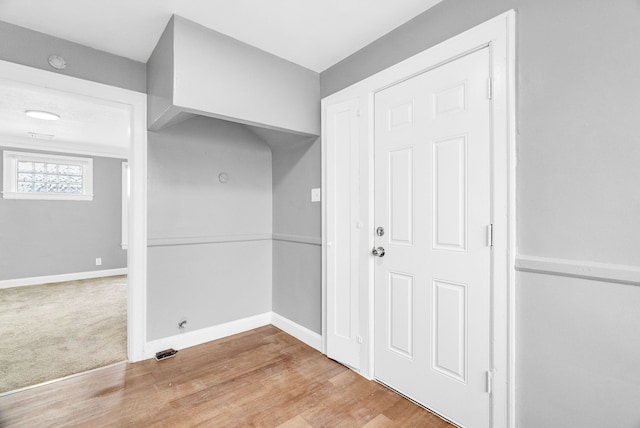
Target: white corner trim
(596,271)
(198,337)
(301,333)
(37,280)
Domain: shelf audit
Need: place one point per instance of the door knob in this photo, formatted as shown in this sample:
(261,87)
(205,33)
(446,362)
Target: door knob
(378,252)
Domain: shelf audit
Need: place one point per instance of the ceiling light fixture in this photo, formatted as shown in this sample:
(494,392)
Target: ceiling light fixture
(43,115)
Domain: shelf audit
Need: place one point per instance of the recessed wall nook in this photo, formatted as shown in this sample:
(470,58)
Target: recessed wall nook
(233,149)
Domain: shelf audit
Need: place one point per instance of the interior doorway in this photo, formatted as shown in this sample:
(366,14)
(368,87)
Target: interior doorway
(349,225)
(133,105)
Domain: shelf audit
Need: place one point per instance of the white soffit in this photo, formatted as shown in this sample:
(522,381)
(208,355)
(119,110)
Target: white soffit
(315,34)
(88,124)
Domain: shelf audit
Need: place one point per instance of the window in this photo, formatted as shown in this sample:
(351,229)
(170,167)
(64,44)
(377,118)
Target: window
(44,176)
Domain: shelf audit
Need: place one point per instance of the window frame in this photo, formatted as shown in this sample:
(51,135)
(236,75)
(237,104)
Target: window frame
(10,176)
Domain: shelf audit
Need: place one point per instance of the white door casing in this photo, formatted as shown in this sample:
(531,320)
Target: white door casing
(432,198)
(342,275)
(498,34)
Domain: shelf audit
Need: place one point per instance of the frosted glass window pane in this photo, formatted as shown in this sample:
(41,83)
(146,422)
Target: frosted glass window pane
(25,187)
(50,176)
(25,166)
(74,170)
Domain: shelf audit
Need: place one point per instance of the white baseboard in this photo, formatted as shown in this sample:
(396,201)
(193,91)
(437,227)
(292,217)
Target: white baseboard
(198,337)
(301,333)
(37,280)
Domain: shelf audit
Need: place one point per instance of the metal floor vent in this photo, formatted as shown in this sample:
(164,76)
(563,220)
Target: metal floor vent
(167,353)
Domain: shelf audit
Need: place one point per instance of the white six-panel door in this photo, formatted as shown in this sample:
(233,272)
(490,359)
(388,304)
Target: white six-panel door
(433,200)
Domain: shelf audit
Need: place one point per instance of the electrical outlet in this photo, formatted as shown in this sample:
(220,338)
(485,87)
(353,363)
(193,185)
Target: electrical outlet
(315,195)
(98,261)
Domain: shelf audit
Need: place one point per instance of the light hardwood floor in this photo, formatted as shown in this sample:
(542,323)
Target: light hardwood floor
(262,378)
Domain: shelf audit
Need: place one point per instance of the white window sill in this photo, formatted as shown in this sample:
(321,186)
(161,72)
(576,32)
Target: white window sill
(47,196)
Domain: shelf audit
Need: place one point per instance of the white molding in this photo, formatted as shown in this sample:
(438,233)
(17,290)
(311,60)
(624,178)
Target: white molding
(300,239)
(294,329)
(195,240)
(198,337)
(64,147)
(136,102)
(608,272)
(499,35)
(221,239)
(37,280)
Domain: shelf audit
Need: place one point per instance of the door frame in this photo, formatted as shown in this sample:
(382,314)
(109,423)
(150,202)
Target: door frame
(136,102)
(499,35)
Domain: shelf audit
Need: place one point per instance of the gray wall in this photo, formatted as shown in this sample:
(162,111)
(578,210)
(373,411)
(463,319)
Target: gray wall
(221,76)
(578,70)
(41,238)
(297,288)
(160,83)
(31,48)
(205,282)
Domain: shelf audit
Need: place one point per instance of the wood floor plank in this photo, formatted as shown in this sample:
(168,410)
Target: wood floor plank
(260,378)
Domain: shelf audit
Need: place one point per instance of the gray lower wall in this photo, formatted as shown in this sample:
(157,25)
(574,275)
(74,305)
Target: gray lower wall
(577,353)
(577,199)
(297,285)
(207,283)
(31,48)
(42,238)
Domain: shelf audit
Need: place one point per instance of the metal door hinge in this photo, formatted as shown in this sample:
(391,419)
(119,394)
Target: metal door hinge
(489,381)
(490,88)
(490,235)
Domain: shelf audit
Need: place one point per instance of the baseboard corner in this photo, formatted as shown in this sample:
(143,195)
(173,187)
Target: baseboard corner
(294,329)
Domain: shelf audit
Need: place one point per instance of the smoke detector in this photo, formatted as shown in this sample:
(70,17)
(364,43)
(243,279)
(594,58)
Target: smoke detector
(57,62)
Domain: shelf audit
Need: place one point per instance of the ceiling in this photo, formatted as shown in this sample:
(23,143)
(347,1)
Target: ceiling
(313,33)
(85,124)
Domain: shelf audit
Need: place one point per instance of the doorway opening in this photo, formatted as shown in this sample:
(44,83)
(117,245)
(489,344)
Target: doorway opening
(104,127)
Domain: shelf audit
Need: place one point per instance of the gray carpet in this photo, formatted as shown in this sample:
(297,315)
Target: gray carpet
(54,330)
